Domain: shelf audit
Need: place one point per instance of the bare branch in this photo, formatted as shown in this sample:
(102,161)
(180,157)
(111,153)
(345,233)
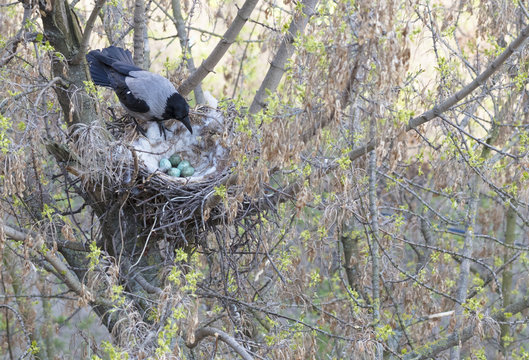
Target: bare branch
(201,334)
(277,66)
(87,32)
(218,52)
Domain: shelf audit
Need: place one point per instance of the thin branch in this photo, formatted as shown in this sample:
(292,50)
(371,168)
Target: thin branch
(204,332)
(87,32)
(186,49)
(277,66)
(431,351)
(460,95)
(208,65)
(478,81)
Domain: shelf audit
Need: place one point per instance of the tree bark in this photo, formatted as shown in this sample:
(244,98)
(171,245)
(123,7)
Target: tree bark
(139,25)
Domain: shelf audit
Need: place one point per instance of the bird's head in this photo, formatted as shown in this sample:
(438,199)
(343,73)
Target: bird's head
(177,108)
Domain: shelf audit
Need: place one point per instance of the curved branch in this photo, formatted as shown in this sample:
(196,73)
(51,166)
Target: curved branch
(277,66)
(458,96)
(478,81)
(201,334)
(229,37)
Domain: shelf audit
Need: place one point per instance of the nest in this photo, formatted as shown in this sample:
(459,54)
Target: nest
(168,208)
(178,209)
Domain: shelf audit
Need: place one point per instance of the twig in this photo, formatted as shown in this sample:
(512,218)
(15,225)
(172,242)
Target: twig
(204,332)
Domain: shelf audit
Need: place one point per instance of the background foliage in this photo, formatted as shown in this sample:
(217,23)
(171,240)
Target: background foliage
(376,206)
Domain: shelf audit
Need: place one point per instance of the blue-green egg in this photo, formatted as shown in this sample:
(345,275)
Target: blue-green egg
(175,159)
(187,171)
(183,164)
(164,164)
(173,172)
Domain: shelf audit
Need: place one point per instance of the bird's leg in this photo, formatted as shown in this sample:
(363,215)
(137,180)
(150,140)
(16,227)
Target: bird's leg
(114,117)
(163,129)
(139,128)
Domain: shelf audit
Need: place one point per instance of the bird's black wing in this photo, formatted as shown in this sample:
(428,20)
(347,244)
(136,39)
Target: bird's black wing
(124,94)
(124,68)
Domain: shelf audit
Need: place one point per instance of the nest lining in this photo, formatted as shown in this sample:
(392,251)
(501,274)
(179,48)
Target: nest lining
(205,149)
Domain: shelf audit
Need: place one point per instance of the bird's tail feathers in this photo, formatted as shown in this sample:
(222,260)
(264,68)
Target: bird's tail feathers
(118,54)
(99,59)
(97,69)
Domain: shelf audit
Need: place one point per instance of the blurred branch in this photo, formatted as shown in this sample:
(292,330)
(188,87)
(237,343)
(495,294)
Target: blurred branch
(277,66)
(374,235)
(464,268)
(22,326)
(218,52)
(507,283)
(201,334)
(186,49)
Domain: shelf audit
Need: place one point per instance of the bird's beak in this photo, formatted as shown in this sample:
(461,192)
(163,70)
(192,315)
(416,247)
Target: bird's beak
(186,122)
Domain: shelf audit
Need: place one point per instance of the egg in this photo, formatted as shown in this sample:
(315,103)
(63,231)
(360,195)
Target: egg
(183,164)
(187,171)
(175,159)
(173,172)
(164,164)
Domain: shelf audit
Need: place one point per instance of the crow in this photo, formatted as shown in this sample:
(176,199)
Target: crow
(145,95)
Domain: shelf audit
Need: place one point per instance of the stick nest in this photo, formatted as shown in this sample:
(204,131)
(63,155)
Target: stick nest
(171,208)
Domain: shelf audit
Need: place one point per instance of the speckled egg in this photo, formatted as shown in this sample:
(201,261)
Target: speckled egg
(164,164)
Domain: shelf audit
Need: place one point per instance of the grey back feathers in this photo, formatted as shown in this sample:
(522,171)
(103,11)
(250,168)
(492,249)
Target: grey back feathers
(154,89)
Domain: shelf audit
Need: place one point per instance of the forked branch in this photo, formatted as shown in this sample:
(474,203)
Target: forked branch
(218,52)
